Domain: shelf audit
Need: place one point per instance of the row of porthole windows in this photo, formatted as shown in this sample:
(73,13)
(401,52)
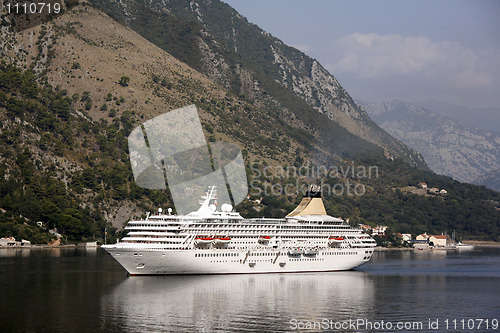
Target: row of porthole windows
(261,232)
(218,254)
(338,253)
(152,242)
(322,238)
(221,254)
(263,254)
(221,231)
(253,238)
(260,227)
(229,227)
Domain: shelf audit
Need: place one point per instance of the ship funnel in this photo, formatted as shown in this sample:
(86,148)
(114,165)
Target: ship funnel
(311,203)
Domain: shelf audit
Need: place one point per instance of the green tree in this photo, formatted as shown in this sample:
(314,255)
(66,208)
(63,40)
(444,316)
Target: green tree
(124,80)
(50,213)
(70,223)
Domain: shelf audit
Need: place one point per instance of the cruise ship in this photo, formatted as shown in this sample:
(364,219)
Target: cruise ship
(212,241)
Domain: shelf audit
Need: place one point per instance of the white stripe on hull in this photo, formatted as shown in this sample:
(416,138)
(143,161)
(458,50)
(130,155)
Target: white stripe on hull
(167,262)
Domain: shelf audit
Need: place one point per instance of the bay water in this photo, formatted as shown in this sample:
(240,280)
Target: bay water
(77,290)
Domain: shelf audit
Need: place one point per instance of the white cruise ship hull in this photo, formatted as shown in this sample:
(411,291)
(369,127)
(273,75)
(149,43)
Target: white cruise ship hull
(208,241)
(173,262)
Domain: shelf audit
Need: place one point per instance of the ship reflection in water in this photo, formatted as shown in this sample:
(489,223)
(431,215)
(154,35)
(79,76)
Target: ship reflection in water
(236,302)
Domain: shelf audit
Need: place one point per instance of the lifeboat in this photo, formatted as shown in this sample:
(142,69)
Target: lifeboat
(204,240)
(295,251)
(335,241)
(310,252)
(264,239)
(222,240)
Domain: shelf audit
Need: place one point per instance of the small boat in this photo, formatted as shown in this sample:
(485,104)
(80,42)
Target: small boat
(335,239)
(222,240)
(204,240)
(310,251)
(295,251)
(264,239)
(464,247)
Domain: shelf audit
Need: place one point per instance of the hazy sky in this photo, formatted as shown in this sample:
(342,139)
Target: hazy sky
(412,50)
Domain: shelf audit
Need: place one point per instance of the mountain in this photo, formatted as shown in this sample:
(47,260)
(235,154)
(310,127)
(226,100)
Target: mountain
(448,146)
(73,89)
(82,113)
(216,40)
(484,118)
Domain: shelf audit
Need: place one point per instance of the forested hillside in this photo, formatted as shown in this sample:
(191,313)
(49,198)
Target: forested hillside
(58,167)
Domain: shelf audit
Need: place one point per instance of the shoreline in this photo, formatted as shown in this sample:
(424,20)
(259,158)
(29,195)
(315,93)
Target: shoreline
(482,243)
(39,247)
(471,242)
(381,248)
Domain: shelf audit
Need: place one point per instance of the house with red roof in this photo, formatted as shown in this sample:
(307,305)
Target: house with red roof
(439,240)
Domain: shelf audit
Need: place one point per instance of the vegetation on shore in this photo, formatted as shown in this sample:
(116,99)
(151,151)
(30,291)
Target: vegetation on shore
(48,173)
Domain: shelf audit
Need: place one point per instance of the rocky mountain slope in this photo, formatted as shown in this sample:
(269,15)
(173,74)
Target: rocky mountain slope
(449,147)
(80,59)
(222,44)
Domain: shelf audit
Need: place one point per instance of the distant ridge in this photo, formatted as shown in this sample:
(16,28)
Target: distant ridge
(450,148)
(483,118)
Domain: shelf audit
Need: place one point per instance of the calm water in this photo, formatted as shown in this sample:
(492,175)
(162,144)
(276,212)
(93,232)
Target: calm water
(72,290)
